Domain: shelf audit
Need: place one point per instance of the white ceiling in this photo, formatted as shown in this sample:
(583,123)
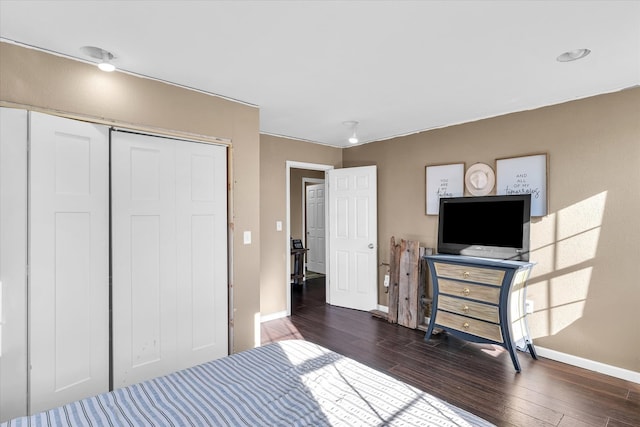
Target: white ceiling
(397,67)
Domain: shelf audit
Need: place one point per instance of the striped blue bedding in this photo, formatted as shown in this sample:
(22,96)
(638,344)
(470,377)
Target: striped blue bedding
(289,383)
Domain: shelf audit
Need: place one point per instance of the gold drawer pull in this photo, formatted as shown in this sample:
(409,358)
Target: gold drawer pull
(466,291)
(466,274)
(465,308)
(465,325)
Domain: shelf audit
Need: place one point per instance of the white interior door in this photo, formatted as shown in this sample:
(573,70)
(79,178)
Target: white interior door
(69,261)
(143,257)
(13,263)
(315,228)
(353,238)
(169,255)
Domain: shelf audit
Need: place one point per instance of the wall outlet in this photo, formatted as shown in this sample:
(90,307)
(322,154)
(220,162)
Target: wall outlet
(386,280)
(528,306)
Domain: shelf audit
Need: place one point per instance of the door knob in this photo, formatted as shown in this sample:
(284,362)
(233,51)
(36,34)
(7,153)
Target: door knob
(370,245)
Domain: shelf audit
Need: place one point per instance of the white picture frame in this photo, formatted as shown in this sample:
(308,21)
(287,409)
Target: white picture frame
(525,175)
(442,181)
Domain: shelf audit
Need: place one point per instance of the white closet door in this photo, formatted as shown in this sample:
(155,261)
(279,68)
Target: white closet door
(69,261)
(169,255)
(13,263)
(143,257)
(201,220)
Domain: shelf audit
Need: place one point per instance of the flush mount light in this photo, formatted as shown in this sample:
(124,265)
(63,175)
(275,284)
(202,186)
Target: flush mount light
(103,56)
(353,139)
(573,55)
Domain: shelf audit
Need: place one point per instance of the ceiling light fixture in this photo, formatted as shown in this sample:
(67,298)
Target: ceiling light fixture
(353,139)
(103,56)
(106,64)
(573,55)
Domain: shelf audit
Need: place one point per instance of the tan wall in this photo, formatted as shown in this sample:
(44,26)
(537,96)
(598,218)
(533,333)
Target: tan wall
(274,153)
(585,285)
(33,78)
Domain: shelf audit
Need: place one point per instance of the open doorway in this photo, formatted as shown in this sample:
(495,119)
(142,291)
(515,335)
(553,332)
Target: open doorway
(299,176)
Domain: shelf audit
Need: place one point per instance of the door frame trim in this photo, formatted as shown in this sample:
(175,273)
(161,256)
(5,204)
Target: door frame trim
(290,164)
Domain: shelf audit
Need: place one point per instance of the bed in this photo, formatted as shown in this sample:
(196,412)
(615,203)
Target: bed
(288,383)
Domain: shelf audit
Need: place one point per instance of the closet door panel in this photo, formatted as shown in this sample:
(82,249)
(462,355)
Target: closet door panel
(69,261)
(144,252)
(169,255)
(147,292)
(201,221)
(13,263)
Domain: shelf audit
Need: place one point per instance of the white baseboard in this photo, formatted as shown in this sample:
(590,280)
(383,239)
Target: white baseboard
(592,365)
(273,316)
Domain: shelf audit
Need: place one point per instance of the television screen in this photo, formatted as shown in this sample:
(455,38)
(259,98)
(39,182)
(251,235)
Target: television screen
(489,226)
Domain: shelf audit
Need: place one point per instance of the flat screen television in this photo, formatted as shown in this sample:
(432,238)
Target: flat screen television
(486,226)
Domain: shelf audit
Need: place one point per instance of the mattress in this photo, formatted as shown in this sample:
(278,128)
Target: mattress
(288,383)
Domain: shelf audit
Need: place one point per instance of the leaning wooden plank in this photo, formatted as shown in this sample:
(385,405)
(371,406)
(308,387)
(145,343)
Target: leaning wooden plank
(423,270)
(408,284)
(394,272)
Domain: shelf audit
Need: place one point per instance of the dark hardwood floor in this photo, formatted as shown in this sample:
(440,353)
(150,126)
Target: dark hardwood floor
(477,378)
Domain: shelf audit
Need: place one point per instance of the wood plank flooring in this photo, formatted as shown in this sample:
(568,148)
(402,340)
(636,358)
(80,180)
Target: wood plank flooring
(477,378)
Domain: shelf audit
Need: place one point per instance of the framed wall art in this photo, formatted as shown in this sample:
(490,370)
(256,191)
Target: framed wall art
(443,181)
(525,175)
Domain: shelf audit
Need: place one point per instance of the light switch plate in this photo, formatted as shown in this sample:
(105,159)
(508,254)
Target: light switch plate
(247,237)
(278,225)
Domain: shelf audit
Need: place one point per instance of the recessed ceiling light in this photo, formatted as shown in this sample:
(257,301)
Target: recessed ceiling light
(573,55)
(103,56)
(106,64)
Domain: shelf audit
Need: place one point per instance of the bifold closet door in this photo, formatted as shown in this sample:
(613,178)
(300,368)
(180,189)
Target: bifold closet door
(169,250)
(201,254)
(69,260)
(13,263)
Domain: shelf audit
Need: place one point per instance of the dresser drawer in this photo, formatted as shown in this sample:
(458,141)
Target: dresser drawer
(489,276)
(478,310)
(489,294)
(476,327)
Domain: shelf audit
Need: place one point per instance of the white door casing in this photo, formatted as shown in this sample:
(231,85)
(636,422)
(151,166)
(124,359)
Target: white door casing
(315,228)
(169,255)
(353,237)
(13,263)
(69,260)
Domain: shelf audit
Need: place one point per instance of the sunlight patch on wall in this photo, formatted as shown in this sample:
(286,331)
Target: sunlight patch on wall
(564,246)
(543,245)
(581,216)
(256,330)
(566,296)
(577,249)
(578,231)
